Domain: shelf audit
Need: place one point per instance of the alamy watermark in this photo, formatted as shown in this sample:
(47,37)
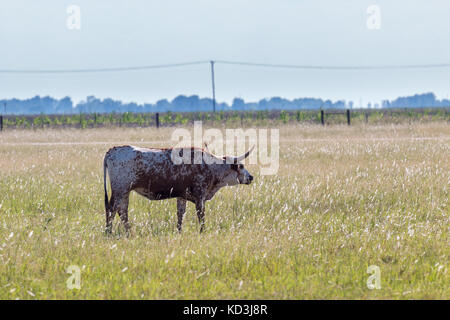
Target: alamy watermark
(263,144)
(374,281)
(374,17)
(74,281)
(73,21)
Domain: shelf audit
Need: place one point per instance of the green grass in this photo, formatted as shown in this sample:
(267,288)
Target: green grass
(343,199)
(230,118)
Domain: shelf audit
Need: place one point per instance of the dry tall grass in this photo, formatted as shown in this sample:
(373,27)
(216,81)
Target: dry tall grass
(344,198)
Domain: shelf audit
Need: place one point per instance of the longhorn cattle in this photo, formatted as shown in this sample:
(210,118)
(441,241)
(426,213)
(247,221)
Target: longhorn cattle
(154,174)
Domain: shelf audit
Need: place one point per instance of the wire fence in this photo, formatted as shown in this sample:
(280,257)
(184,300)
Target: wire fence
(231,118)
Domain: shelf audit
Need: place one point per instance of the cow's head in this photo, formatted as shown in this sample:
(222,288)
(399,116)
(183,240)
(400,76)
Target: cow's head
(237,173)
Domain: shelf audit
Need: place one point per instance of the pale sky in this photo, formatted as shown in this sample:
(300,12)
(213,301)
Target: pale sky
(34,35)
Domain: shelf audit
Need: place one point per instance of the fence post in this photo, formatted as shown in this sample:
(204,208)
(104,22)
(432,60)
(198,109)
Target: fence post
(348,116)
(1,123)
(157,120)
(322,117)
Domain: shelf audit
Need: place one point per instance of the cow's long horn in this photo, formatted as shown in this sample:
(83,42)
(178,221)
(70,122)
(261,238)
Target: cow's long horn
(239,158)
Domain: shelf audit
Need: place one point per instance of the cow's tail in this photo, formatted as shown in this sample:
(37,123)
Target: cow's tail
(104,184)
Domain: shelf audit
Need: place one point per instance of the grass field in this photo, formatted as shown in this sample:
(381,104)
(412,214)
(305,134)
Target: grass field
(228,118)
(344,198)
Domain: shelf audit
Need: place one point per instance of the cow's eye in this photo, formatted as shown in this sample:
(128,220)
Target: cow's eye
(241,166)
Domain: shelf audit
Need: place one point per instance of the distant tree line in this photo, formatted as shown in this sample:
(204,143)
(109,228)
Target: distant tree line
(416,101)
(182,103)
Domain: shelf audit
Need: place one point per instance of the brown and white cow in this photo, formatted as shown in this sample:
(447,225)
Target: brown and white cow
(154,174)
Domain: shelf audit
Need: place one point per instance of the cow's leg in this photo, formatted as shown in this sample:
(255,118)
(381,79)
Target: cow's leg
(200,207)
(110,214)
(181,209)
(122,208)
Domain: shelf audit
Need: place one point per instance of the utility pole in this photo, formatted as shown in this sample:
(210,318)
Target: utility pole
(213,86)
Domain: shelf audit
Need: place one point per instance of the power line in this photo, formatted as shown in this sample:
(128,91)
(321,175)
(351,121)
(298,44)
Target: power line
(330,67)
(250,64)
(119,69)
